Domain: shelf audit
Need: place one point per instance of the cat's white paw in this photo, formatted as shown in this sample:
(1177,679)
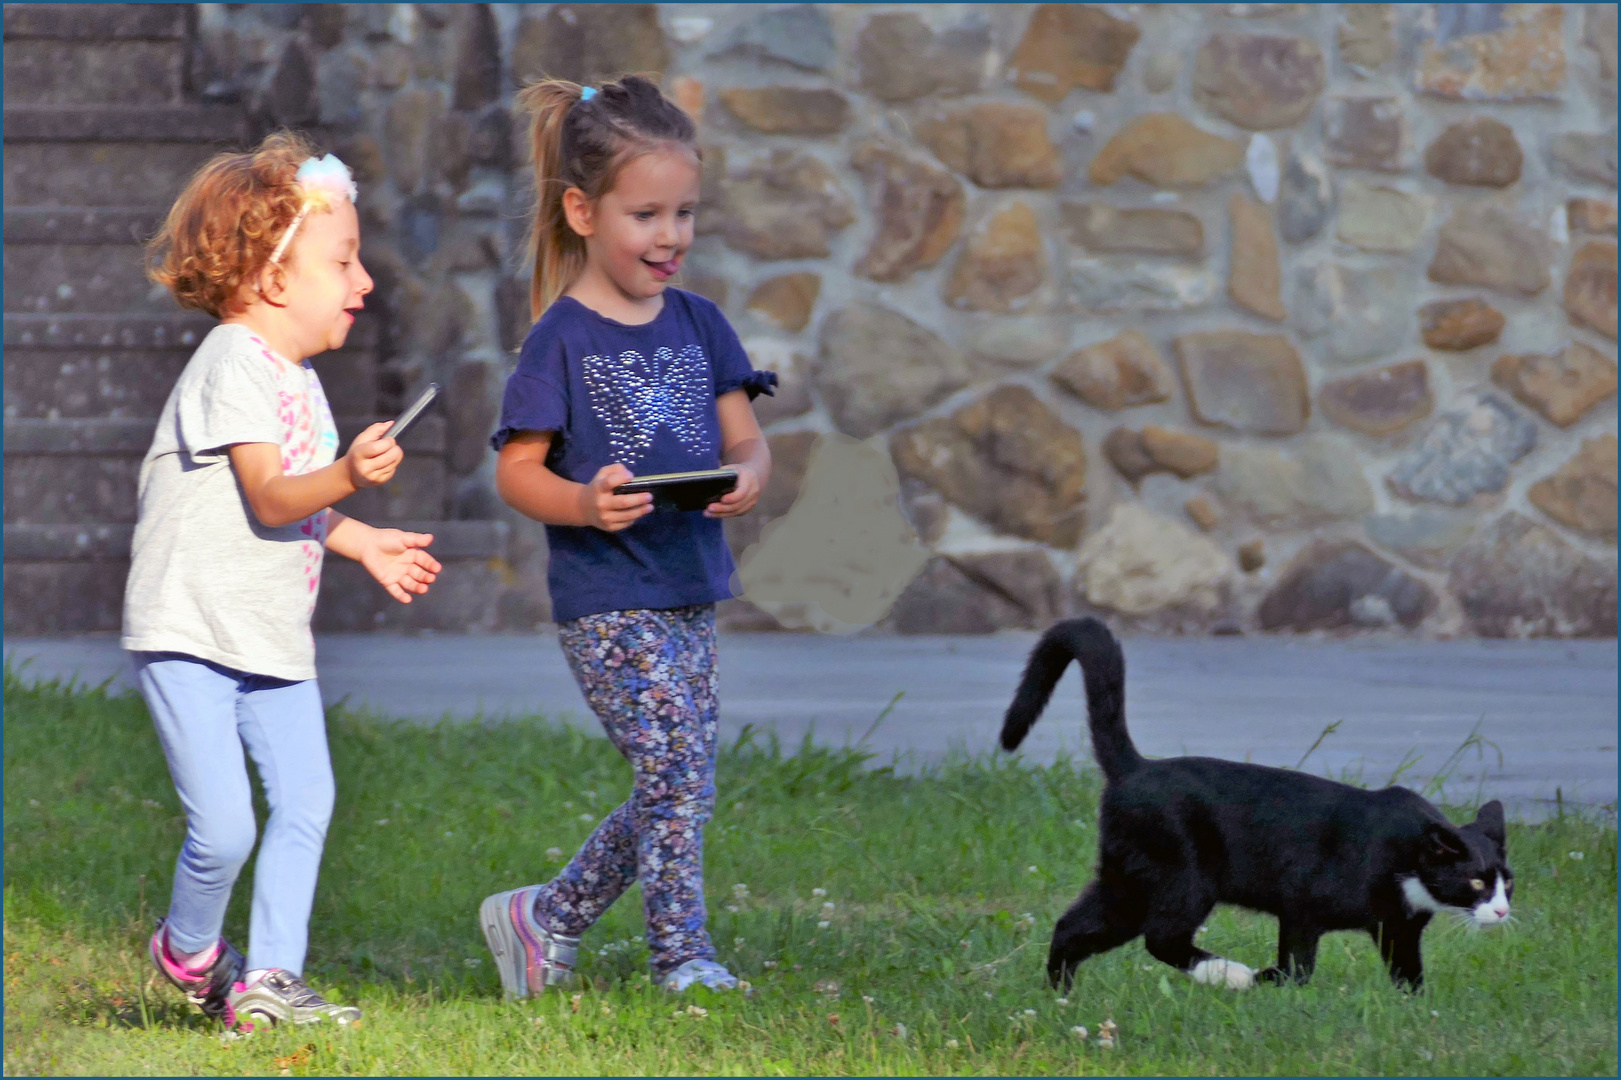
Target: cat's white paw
(1220,971)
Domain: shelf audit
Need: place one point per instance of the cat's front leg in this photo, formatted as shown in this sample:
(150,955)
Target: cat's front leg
(1297,954)
(1399,945)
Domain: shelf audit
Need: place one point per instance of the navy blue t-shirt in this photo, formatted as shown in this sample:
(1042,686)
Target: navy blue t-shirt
(642,396)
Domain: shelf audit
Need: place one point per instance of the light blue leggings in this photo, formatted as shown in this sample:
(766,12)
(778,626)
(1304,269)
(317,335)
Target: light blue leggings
(205,714)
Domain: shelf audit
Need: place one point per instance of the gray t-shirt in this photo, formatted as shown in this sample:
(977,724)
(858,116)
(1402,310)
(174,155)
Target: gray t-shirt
(206,578)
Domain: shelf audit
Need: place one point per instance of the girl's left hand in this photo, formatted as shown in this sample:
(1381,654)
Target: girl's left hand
(741,499)
(399,562)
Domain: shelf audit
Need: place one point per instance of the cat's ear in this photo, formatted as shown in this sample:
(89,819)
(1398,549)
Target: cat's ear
(1443,842)
(1489,820)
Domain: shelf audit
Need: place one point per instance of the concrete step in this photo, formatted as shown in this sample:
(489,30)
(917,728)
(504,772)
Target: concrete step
(129,122)
(30,225)
(64,580)
(85,471)
(95,174)
(176,329)
(43,279)
(41,71)
(98,22)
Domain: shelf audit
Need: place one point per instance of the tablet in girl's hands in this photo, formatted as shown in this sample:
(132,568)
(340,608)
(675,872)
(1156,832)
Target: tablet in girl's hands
(683,490)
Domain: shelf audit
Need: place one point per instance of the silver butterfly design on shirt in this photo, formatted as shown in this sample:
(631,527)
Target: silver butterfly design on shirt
(634,397)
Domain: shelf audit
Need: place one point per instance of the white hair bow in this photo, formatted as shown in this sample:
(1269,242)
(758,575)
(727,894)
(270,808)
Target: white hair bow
(321,179)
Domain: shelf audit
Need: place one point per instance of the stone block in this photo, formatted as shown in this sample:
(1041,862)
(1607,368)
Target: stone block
(995,144)
(786,207)
(1071,45)
(1140,563)
(1164,150)
(1366,133)
(1481,152)
(1374,217)
(86,174)
(919,208)
(788,110)
(1380,402)
(798,35)
(1254,274)
(877,367)
(55,597)
(1591,215)
(1562,386)
(1335,585)
(1459,325)
(1364,312)
(64,73)
(1586,156)
(1108,285)
(1467,452)
(1314,481)
(901,59)
(1258,81)
(786,301)
(53,489)
(56,383)
(1425,536)
(1518,579)
(1590,288)
(1305,199)
(1581,492)
(793,397)
(1493,52)
(463,600)
(590,43)
(1003,262)
(980,593)
(1366,36)
(1125,370)
(1110,229)
(1247,382)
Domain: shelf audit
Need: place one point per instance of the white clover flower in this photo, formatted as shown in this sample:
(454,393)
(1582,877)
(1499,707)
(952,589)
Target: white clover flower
(1062,1001)
(1577,855)
(382,821)
(1030,1014)
(827,906)
(733,908)
(952,1044)
(823,925)
(448,834)
(740,890)
(1105,1043)
(590,794)
(1079,1031)
(867,998)
(818,892)
(737,943)
(769,964)
(1032,869)
(472,962)
(587,817)
(568,804)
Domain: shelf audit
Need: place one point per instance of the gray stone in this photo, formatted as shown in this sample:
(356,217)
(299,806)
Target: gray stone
(1424,536)
(1366,36)
(590,43)
(1586,156)
(877,367)
(1017,341)
(1335,584)
(412,114)
(1481,151)
(798,35)
(1305,200)
(290,99)
(339,78)
(901,59)
(786,207)
(470,415)
(1248,382)
(1258,81)
(1375,217)
(478,60)
(1598,31)
(1107,285)
(490,142)
(1365,313)
(1315,480)
(1007,459)
(1517,579)
(1467,452)
(1366,133)
(980,593)
(793,397)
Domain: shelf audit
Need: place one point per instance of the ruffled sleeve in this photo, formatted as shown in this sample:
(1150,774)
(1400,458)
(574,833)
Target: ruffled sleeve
(755,382)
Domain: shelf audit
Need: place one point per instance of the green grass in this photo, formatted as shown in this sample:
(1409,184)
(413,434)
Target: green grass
(936,969)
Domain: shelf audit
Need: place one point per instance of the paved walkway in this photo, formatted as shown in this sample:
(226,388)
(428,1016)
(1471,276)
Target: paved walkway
(1549,707)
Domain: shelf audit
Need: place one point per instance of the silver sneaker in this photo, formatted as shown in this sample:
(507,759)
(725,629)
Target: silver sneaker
(280,997)
(699,973)
(529,957)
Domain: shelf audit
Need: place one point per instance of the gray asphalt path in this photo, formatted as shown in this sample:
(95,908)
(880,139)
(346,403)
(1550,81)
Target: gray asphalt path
(1547,708)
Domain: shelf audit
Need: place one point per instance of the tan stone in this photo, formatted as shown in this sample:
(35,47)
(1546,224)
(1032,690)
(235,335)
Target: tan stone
(995,144)
(1248,382)
(1380,402)
(589,43)
(877,367)
(1521,55)
(688,93)
(1581,493)
(786,207)
(1181,452)
(1008,460)
(788,110)
(1106,285)
(1488,246)
(1517,579)
(1561,387)
(1458,325)
(1159,74)
(1366,133)
(1140,562)
(919,207)
(1122,371)
(1366,35)
(1305,483)
(1165,150)
(786,300)
(1070,45)
(1481,151)
(1002,263)
(1203,512)
(1258,81)
(1590,288)
(1598,31)
(901,59)
(1591,215)
(1254,275)
(1374,217)
(1125,451)
(1101,227)
(1252,555)
(1586,155)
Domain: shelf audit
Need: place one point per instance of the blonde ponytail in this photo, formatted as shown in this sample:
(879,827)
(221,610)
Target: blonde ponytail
(558,251)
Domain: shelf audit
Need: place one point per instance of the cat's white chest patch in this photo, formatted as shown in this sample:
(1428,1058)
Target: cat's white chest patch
(1418,897)
(1493,911)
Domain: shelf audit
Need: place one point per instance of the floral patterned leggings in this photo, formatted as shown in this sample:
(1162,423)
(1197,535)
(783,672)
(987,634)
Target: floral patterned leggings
(649,675)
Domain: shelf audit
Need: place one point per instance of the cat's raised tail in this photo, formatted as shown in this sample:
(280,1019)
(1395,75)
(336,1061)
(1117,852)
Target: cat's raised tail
(1088,642)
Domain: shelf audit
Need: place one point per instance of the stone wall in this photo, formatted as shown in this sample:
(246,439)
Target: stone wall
(1215,317)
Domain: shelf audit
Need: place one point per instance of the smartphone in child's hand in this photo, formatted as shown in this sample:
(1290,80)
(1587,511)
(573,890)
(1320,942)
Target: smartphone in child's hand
(684,490)
(413,412)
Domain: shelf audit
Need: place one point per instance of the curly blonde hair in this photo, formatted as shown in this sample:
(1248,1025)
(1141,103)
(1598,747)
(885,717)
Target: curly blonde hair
(224,226)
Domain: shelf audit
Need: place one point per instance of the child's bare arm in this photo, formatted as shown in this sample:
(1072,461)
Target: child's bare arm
(397,559)
(278,499)
(745,449)
(525,483)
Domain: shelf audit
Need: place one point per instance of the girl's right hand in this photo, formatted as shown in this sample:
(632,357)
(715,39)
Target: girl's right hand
(372,459)
(607,511)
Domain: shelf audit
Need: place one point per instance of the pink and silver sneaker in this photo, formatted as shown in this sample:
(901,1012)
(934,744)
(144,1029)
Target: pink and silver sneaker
(529,957)
(206,986)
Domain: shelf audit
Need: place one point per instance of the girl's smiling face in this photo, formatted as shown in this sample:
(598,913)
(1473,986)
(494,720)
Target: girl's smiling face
(637,233)
(325,284)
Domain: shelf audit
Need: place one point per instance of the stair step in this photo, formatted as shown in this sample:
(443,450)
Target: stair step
(47,71)
(175,330)
(80,543)
(81,225)
(162,123)
(97,22)
(45,278)
(100,173)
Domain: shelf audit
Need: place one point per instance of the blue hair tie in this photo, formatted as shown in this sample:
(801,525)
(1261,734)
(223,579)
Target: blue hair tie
(587,93)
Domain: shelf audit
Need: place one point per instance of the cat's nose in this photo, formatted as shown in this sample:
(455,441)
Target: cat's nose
(1501,912)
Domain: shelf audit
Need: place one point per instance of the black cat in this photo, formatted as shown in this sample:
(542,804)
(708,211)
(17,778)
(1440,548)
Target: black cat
(1180,835)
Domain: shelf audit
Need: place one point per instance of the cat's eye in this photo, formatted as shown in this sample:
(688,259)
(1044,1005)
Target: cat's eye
(1477,885)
